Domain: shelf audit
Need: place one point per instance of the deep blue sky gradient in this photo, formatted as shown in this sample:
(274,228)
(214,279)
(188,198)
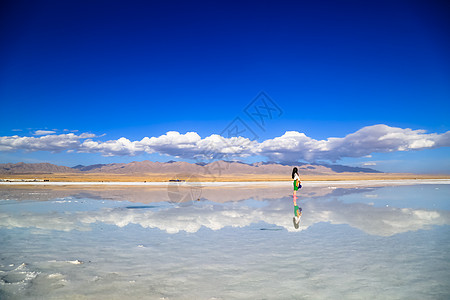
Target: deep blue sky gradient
(142,68)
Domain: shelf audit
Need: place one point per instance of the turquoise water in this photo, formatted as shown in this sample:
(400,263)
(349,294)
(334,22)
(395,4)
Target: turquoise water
(353,243)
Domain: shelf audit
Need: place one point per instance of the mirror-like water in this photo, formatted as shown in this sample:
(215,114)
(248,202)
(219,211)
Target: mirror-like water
(236,242)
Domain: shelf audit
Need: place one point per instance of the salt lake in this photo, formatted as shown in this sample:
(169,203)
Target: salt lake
(356,240)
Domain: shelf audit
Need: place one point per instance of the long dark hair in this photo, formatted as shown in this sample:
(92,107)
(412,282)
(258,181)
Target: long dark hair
(294,171)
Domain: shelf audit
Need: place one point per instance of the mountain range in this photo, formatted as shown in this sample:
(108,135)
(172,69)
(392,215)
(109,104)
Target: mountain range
(180,167)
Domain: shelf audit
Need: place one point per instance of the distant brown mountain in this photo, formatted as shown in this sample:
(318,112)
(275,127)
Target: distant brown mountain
(172,167)
(23,168)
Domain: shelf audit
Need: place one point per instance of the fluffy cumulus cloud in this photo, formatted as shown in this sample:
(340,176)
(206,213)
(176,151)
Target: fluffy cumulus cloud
(371,139)
(53,142)
(291,146)
(120,146)
(189,145)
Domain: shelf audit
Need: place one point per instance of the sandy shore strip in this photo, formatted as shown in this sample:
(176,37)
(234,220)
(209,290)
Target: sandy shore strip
(164,178)
(340,183)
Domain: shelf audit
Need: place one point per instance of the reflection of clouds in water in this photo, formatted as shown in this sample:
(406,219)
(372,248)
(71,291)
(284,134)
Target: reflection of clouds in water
(50,221)
(382,221)
(173,220)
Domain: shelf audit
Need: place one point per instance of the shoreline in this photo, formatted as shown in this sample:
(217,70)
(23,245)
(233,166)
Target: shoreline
(309,183)
(151,178)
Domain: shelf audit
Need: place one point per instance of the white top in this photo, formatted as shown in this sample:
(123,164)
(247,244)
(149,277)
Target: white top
(296,177)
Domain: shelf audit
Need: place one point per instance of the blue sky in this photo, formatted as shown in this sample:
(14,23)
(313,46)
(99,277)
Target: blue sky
(137,69)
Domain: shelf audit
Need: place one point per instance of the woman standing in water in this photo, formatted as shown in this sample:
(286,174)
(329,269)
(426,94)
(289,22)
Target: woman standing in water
(297,183)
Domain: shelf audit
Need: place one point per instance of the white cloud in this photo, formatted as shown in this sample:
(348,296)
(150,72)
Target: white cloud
(121,146)
(43,132)
(291,146)
(54,143)
(371,139)
(172,143)
(369,163)
(189,145)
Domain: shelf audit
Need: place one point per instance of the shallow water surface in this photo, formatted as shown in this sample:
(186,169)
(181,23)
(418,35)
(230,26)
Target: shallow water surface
(198,242)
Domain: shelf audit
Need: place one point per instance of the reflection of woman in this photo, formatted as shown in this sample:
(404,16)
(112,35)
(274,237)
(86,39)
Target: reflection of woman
(297,214)
(297,182)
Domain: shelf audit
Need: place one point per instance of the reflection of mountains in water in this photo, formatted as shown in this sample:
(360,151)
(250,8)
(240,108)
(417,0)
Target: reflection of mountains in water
(183,192)
(381,221)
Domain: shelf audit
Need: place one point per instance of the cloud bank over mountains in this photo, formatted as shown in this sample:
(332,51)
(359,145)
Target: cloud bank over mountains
(291,146)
